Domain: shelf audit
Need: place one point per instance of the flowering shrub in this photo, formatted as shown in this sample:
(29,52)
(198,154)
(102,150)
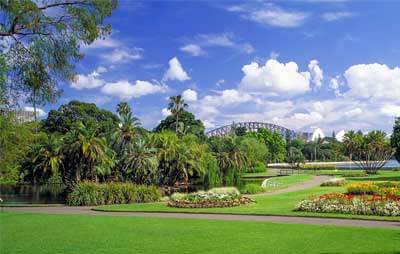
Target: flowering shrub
(208,200)
(362,188)
(334,182)
(373,188)
(345,203)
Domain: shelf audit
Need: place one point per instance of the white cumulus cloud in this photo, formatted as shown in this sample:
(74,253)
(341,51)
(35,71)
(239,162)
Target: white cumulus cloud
(123,55)
(89,81)
(123,89)
(275,78)
(175,71)
(39,112)
(373,81)
(189,95)
(317,75)
(391,110)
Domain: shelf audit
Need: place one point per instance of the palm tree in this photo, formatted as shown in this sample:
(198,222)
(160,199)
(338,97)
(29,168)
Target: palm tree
(127,129)
(176,105)
(351,141)
(48,158)
(140,162)
(123,108)
(86,153)
(230,155)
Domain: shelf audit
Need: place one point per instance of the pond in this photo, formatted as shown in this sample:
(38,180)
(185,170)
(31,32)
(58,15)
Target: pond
(349,165)
(32,194)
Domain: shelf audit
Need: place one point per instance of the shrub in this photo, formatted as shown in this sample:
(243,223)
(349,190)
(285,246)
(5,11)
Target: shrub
(364,188)
(334,182)
(319,167)
(348,204)
(88,194)
(259,167)
(252,188)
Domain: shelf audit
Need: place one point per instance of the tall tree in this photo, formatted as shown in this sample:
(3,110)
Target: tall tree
(67,115)
(123,108)
(87,156)
(372,152)
(189,124)
(44,41)
(176,105)
(351,140)
(395,138)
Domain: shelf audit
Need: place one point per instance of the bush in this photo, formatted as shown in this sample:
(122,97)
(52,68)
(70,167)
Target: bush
(334,182)
(366,188)
(252,188)
(319,167)
(259,167)
(88,194)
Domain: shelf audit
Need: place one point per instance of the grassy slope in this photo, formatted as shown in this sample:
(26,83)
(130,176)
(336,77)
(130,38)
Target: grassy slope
(26,233)
(281,204)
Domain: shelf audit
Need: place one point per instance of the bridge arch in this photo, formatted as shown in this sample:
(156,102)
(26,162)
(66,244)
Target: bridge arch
(251,126)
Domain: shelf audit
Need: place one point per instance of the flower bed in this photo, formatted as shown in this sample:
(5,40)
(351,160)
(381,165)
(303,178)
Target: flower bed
(334,182)
(373,188)
(388,205)
(208,199)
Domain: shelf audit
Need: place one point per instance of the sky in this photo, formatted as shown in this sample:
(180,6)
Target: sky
(300,64)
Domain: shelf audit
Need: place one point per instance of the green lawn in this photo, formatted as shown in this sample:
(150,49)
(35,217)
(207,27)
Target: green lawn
(280,204)
(70,234)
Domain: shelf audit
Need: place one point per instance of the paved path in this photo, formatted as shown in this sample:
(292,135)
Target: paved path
(231,217)
(317,180)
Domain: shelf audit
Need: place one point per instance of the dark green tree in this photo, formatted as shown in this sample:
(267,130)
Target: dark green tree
(190,124)
(63,119)
(395,138)
(240,131)
(274,142)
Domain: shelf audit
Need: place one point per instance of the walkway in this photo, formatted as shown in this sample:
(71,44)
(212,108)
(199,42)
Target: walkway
(315,181)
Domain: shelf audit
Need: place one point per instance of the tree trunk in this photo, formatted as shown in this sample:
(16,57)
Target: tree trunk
(34,111)
(176,124)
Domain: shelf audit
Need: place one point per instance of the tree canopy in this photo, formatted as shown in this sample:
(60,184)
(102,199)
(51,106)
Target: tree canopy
(190,124)
(63,119)
(44,39)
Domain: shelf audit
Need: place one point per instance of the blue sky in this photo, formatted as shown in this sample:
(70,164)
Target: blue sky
(300,64)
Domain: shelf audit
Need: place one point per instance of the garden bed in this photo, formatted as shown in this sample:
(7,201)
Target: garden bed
(350,204)
(215,198)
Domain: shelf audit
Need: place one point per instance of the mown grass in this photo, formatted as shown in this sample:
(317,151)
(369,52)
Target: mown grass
(76,234)
(279,204)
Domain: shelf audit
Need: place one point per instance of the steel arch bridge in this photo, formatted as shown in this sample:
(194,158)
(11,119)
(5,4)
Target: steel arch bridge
(251,126)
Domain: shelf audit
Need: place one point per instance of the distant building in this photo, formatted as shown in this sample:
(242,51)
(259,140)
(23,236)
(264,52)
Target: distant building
(19,115)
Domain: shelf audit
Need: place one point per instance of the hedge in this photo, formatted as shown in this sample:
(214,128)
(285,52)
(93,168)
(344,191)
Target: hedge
(92,194)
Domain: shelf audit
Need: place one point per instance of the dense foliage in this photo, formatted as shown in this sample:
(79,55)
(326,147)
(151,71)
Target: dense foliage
(92,194)
(66,116)
(395,139)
